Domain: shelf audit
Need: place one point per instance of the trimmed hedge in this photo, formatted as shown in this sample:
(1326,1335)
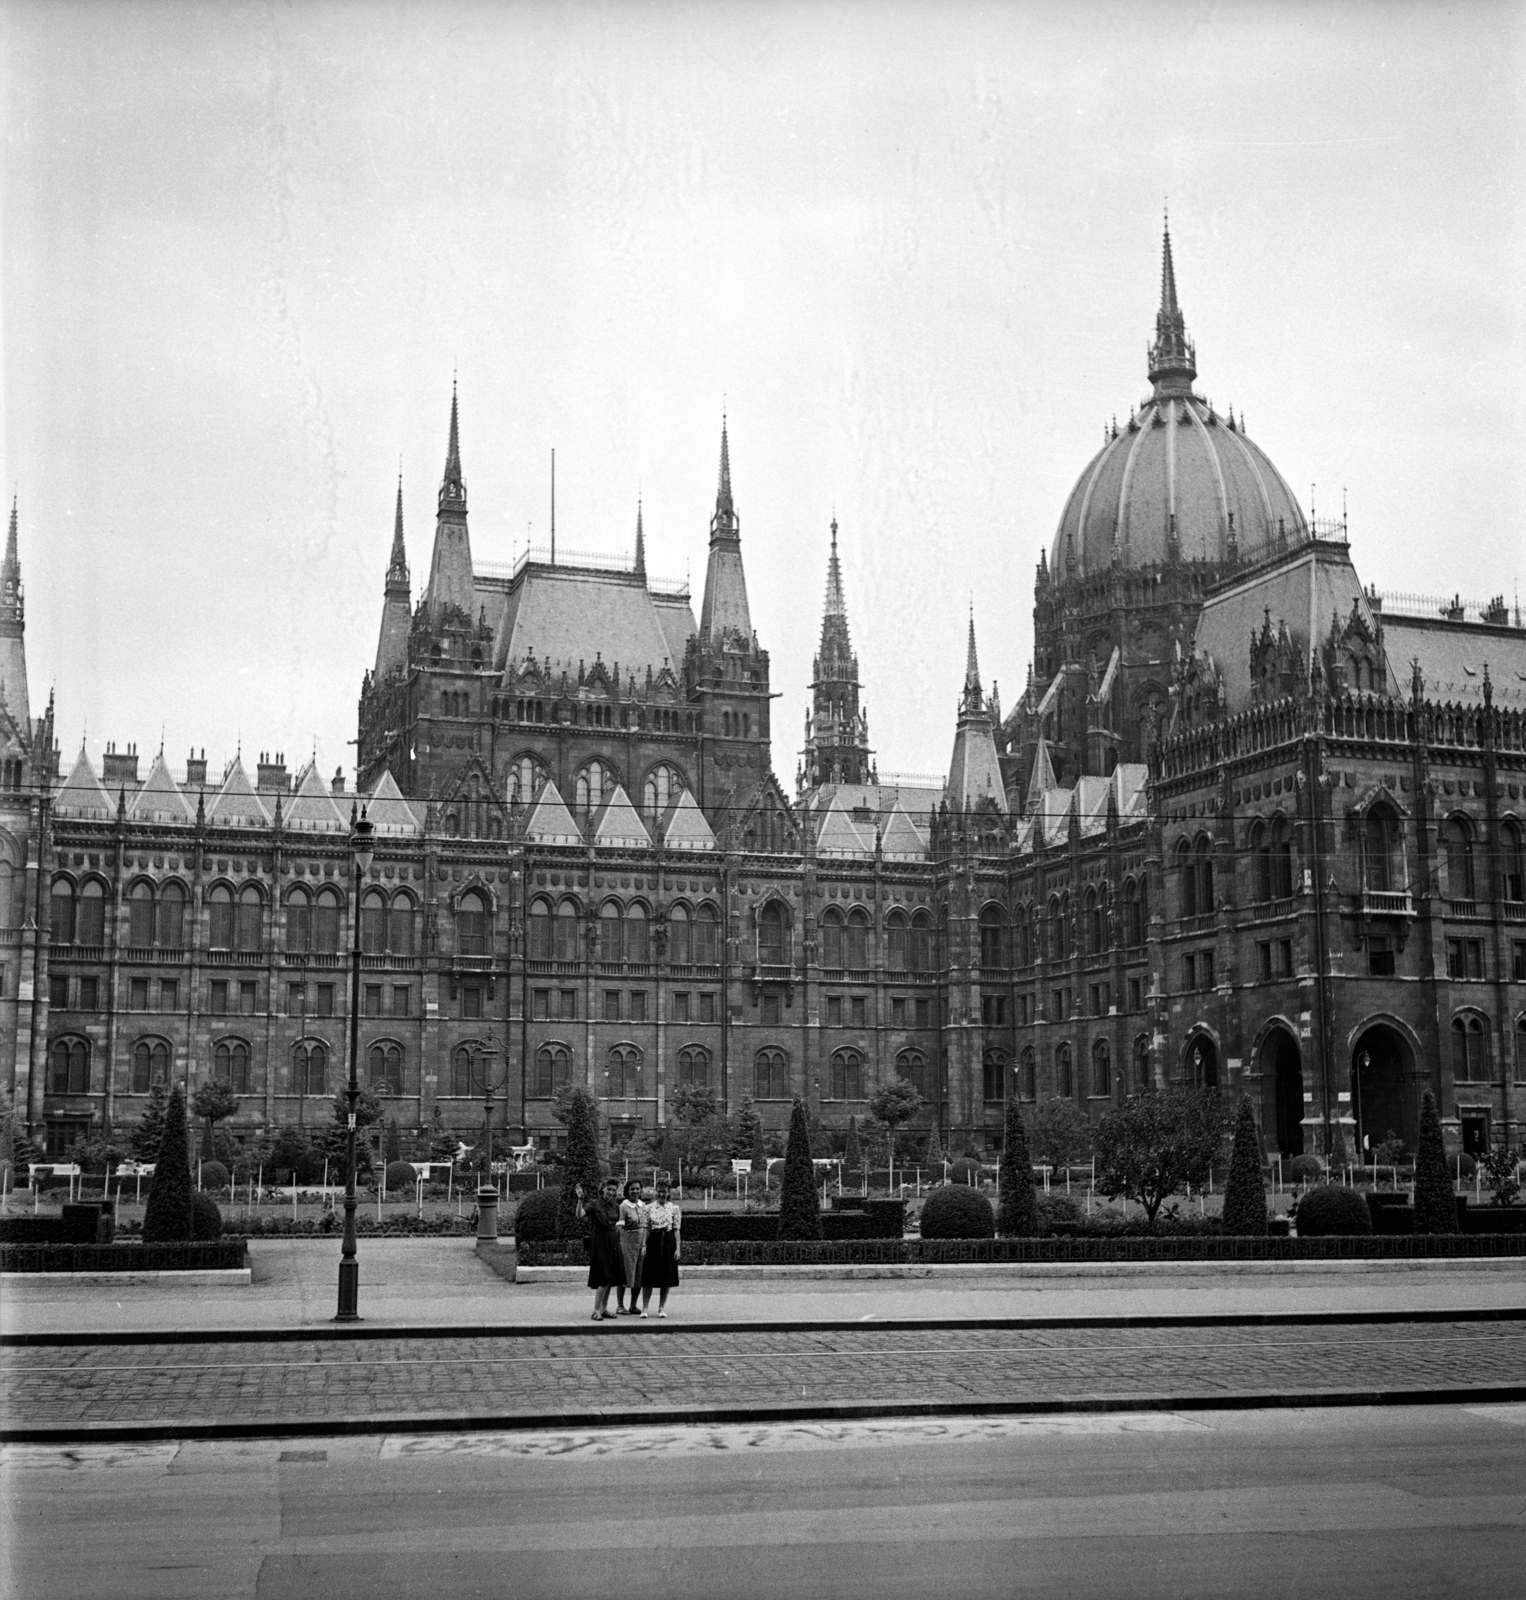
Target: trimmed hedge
(330,1224)
(1332,1209)
(166,1256)
(951,1212)
(214,1175)
(539,1215)
(401,1175)
(536,1221)
(206,1219)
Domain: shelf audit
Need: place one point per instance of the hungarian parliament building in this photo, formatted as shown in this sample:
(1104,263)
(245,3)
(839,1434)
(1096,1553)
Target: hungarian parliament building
(1250,824)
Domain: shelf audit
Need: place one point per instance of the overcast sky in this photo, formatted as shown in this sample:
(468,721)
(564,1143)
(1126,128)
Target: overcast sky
(913,249)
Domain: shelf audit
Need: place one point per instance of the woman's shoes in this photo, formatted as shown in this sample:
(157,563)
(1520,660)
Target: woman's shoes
(643,1315)
(598,1316)
(662,1313)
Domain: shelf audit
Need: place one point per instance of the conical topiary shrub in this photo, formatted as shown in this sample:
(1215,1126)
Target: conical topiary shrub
(853,1152)
(581,1165)
(1017,1211)
(934,1155)
(799,1208)
(168,1212)
(1435,1203)
(1245,1193)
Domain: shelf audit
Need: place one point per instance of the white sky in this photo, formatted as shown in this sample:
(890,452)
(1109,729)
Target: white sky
(915,249)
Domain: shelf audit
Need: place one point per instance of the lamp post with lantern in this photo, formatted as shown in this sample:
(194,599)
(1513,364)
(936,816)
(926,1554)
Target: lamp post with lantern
(487,1190)
(362,848)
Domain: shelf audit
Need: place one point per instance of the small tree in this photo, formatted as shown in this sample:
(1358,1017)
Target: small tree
(1499,1168)
(757,1153)
(1340,1156)
(693,1103)
(852,1150)
(393,1145)
(293,1151)
(749,1128)
(168,1212)
(895,1104)
(443,1144)
(148,1134)
(1017,1210)
(333,1142)
(1435,1202)
(1060,1134)
(1157,1144)
(17,1149)
(1245,1193)
(214,1102)
(935,1151)
(799,1207)
(581,1164)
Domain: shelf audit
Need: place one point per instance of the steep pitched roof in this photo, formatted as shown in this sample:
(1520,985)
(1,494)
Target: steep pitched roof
(1041,779)
(840,835)
(236,805)
(160,799)
(685,827)
(82,794)
(564,615)
(387,811)
(901,840)
(619,825)
(312,808)
(551,822)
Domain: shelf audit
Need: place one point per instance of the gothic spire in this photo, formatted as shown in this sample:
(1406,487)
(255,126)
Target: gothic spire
(453,485)
(723,482)
(971,660)
(640,543)
(397,564)
(835,607)
(1173,359)
(10,574)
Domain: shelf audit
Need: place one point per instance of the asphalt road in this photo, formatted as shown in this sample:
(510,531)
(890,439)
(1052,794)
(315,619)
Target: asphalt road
(1411,1501)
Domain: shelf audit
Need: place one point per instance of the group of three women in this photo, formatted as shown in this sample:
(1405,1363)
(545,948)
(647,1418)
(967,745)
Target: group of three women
(632,1246)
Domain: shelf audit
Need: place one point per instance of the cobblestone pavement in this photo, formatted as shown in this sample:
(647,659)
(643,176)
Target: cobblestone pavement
(630,1371)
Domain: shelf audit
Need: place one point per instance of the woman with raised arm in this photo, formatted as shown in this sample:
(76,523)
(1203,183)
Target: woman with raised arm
(659,1270)
(632,1242)
(605,1268)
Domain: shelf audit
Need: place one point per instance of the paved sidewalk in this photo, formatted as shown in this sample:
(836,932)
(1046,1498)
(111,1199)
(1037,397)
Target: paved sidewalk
(442,1283)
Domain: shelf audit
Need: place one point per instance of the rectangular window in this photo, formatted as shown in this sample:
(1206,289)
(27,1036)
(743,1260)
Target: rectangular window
(58,991)
(169,994)
(771,1010)
(1285,958)
(1454,958)
(1136,994)
(1024,1009)
(681,1007)
(89,994)
(471,1001)
(1380,957)
(373,1005)
(993,1010)
(1465,958)
(898,1011)
(325,1007)
(1517,965)
(296,999)
(638,1005)
(858,1011)
(834,1010)
(540,1005)
(707,1008)
(1061,1006)
(1205,968)
(1475,958)
(1264,962)
(567,1005)
(1101,999)
(219,1007)
(400,1003)
(247,993)
(139,994)
(611,1005)
(924,1013)
(1189,974)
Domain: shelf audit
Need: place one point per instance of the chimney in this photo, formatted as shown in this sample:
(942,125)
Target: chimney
(196,770)
(271,774)
(117,771)
(338,784)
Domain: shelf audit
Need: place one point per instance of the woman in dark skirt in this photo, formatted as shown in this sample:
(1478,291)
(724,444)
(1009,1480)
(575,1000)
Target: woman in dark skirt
(659,1268)
(605,1268)
(632,1241)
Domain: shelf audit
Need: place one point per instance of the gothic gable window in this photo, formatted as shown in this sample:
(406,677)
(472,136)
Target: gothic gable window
(326,922)
(1141,1053)
(993,1076)
(373,922)
(638,934)
(611,933)
(1102,1070)
(662,787)
(680,945)
(150,1064)
(1022,937)
(1468,1064)
(624,1072)
(831,938)
(1028,1080)
(847,1075)
(523,780)
(1059,928)
(140,914)
(856,940)
(1096,924)
(566,931)
(251,908)
(169,921)
(595,784)
(707,937)
(771,1075)
(773,935)
(1380,838)
(400,925)
(230,1064)
(471,924)
(921,944)
(539,928)
(1064,1073)
(1133,914)
(220,902)
(895,942)
(694,1067)
(1457,842)
(1281,850)
(911,1067)
(468,1071)
(309,1064)
(61,912)
(69,1066)
(553,1071)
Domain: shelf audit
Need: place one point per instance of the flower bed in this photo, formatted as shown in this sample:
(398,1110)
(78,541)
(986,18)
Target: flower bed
(179,1256)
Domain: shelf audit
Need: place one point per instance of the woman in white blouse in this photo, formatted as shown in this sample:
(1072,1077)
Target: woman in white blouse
(659,1267)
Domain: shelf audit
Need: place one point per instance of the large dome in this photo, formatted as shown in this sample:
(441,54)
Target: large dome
(1178,469)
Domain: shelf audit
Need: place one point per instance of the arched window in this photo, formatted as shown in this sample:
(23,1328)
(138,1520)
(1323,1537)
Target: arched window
(638,934)
(220,932)
(895,942)
(993,1076)
(309,1066)
(230,1064)
(611,933)
(1187,876)
(921,943)
(251,906)
(1203,860)
(326,922)
(595,783)
(911,1067)
(1022,938)
(400,925)
(566,932)
(1059,929)
(1064,1073)
(471,924)
(771,1075)
(624,1072)
(384,1067)
(1141,1064)
(1281,849)
(140,914)
(831,938)
(373,922)
(847,1075)
(662,787)
(856,940)
(1457,840)
(993,939)
(69,1066)
(773,935)
(1380,835)
(540,930)
(1468,1065)
(1261,859)
(150,1064)
(523,780)
(1096,924)
(1513,861)
(61,912)
(680,946)
(1133,915)
(170,920)
(1102,1070)
(468,1070)
(694,1067)
(553,1071)
(1028,1085)
(90,913)
(707,937)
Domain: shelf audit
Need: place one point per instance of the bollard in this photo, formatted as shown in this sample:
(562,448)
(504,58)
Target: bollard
(487,1213)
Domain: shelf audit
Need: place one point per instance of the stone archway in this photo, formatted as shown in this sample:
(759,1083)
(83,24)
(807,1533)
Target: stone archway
(1381,1061)
(1201,1060)
(1281,1065)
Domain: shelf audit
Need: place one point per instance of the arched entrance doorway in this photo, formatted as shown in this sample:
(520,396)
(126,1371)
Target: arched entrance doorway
(1380,1061)
(1202,1061)
(1282,1068)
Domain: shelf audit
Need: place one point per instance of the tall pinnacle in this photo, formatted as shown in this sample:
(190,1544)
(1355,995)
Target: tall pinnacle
(725,522)
(836,606)
(1173,359)
(397,563)
(453,485)
(971,659)
(640,543)
(12,567)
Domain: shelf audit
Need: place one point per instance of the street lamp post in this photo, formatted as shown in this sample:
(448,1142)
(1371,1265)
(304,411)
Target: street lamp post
(362,833)
(487,1190)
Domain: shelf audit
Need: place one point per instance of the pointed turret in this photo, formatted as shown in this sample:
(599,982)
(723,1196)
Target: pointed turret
(392,645)
(640,545)
(974,770)
(725,610)
(973,696)
(13,674)
(450,567)
(1173,359)
(837,737)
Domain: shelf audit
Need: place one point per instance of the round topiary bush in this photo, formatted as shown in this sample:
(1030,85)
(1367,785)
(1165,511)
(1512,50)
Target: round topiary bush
(1057,1211)
(1333,1210)
(1305,1169)
(214,1175)
(1461,1163)
(953,1212)
(206,1219)
(964,1171)
(537,1215)
(400,1175)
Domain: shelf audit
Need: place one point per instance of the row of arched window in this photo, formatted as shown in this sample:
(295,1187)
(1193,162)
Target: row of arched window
(623,933)
(845,939)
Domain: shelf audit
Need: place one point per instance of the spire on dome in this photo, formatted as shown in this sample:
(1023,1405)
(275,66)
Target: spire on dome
(640,542)
(1173,358)
(453,485)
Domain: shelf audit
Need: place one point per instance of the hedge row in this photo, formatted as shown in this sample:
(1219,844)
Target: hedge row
(179,1255)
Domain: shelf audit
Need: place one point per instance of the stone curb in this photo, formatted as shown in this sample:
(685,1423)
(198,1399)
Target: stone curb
(189,1277)
(636,1416)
